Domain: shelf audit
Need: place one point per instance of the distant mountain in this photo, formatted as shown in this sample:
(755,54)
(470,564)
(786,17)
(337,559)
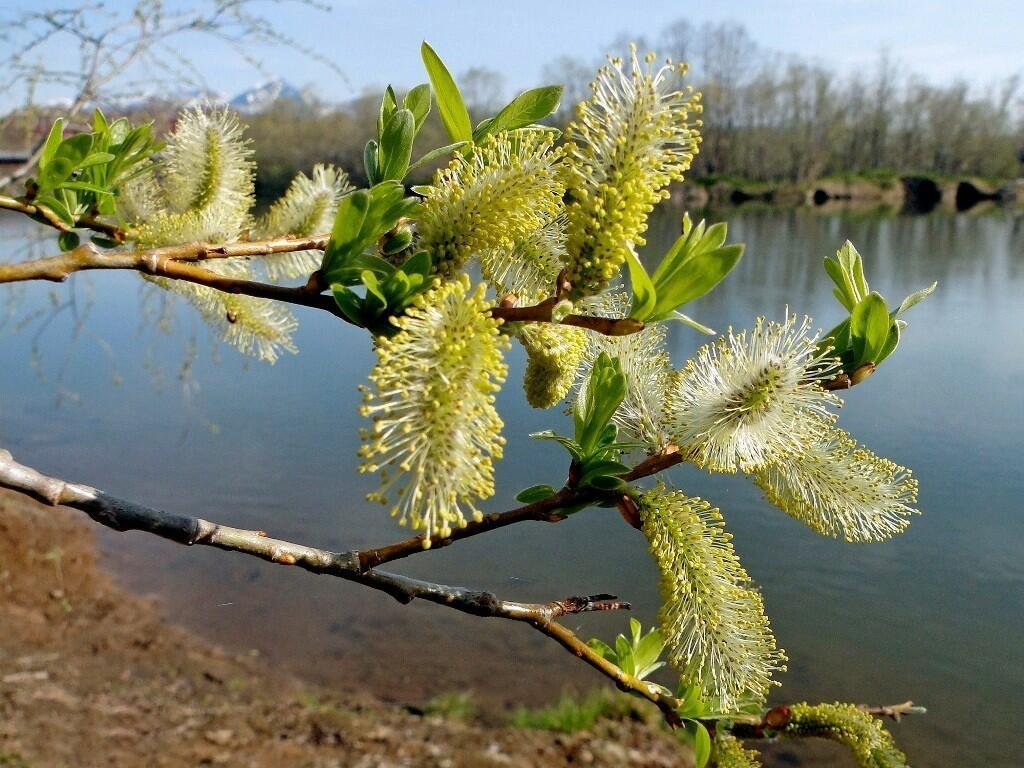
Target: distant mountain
(259,97)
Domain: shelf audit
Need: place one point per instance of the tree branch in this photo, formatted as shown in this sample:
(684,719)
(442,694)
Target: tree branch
(44,215)
(545,510)
(541,313)
(175,263)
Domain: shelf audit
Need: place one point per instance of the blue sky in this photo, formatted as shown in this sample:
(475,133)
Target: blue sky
(375,42)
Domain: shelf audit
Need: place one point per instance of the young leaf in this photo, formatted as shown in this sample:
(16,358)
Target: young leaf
(525,109)
(606,389)
(701,744)
(396,145)
(914,298)
(417,101)
(534,493)
(388,104)
(68,240)
(450,105)
(869,328)
(434,154)
(644,296)
(371,163)
(53,141)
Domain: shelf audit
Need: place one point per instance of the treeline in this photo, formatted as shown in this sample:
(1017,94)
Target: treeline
(768,116)
(776,117)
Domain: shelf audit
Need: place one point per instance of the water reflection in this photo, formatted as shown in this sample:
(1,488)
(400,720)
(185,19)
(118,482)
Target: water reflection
(935,615)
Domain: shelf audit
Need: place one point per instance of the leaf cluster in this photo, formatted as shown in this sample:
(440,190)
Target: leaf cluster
(594,447)
(872,332)
(697,261)
(364,218)
(81,174)
(523,112)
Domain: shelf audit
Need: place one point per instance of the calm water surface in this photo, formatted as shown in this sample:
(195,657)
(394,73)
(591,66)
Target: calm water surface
(935,615)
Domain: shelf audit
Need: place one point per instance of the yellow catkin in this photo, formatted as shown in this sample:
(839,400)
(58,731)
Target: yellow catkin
(842,490)
(751,398)
(871,744)
(553,354)
(435,431)
(505,189)
(712,618)
(728,752)
(637,133)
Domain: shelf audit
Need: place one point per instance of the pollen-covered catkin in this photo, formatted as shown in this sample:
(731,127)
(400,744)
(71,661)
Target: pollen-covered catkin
(637,133)
(435,430)
(712,618)
(507,188)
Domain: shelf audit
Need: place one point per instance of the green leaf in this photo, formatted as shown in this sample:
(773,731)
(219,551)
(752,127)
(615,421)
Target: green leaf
(568,443)
(348,302)
(869,328)
(388,104)
(644,296)
(396,145)
(701,745)
(525,109)
(450,105)
(53,141)
(419,263)
(105,242)
(846,269)
(692,705)
(915,298)
(55,205)
(397,243)
(417,101)
(535,493)
(96,158)
(606,389)
(434,154)
(68,240)
(699,276)
(608,483)
(604,467)
(348,221)
(56,172)
(76,148)
(601,647)
(687,320)
(648,650)
(85,187)
(892,341)
(369,279)
(370,162)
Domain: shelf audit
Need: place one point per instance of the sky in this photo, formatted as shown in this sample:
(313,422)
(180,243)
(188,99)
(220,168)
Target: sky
(374,42)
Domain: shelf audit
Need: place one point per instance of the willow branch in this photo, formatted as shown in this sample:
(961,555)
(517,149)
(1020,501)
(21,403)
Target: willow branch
(544,510)
(541,313)
(122,515)
(87,257)
(177,262)
(44,215)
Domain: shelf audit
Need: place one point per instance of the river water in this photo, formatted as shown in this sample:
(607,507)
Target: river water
(150,408)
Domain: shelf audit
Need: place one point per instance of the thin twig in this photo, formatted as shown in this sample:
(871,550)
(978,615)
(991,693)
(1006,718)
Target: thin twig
(541,313)
(44,215)
(545,510)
